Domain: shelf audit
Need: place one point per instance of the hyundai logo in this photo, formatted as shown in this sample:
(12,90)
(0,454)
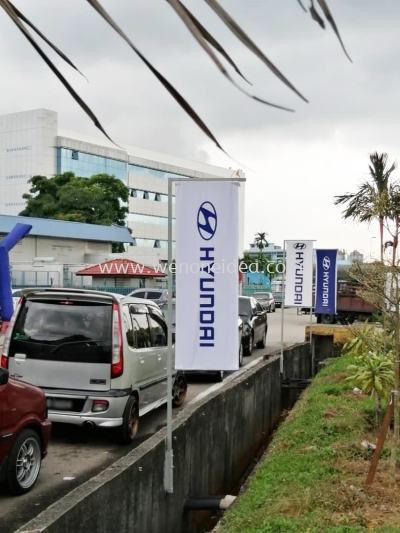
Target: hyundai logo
(207,221)
(326,263)
(299,246)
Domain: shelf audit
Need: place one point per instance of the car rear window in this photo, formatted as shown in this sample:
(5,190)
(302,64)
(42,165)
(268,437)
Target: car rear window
(72,331)
(244,306)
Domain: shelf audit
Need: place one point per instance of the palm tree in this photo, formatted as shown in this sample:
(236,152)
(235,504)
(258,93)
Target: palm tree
(198,31)
(261,241)
(371,201)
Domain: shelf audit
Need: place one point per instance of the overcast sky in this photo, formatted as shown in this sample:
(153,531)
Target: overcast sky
(300,160)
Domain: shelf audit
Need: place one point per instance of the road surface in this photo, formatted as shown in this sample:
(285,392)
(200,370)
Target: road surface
(75,455)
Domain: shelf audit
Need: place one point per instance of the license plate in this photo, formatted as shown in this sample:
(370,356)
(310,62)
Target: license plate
(61,405)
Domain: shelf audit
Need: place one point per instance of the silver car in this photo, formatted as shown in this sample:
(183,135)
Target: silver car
(218,375)
(100,358)
(155,295)
(266,300)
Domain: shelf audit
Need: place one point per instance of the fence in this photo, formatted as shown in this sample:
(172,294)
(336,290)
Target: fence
(247,290)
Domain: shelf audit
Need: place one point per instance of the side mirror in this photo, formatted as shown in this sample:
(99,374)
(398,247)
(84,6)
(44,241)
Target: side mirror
(4,375)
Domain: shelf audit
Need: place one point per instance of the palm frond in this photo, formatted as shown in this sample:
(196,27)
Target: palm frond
(177,6)
(208,37)
(241,35)
(329,18)
(316,16)
(167,85)
(302,6)
(199,32)
(22,17)
(5,4)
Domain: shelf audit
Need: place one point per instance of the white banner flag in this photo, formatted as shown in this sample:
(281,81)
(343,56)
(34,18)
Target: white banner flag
(207,299)
(299,273)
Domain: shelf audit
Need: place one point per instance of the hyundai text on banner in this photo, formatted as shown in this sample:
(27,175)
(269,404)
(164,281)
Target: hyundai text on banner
(299,271)
(207,303)
(326,285)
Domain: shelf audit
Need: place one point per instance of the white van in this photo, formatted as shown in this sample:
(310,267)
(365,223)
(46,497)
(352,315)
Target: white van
(100,358)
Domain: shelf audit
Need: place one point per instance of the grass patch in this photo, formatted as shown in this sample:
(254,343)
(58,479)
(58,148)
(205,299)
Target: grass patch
(311,480)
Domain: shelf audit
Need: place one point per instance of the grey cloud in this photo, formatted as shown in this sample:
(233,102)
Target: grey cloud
(133,105)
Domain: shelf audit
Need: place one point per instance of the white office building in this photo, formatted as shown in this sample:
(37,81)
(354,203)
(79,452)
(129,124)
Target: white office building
(31,143)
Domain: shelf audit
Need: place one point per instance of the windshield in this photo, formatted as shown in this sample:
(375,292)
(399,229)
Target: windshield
(64,330)
(277,294)
(244,307)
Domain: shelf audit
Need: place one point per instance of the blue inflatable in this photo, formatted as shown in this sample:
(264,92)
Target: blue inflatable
(6,301)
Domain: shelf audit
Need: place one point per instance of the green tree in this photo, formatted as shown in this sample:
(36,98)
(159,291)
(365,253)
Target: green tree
(371,201)
(100,199)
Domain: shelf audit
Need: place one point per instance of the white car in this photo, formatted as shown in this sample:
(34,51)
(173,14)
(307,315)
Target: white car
(16,294)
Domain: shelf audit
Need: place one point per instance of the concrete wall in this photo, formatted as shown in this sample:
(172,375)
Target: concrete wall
(215,441)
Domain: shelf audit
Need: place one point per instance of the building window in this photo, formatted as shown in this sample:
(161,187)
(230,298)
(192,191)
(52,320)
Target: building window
(146,195)
(151,243)
(85,165)
(144,171)
(148,219)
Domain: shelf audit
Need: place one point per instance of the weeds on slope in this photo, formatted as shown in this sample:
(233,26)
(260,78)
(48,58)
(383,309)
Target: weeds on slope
(311,480)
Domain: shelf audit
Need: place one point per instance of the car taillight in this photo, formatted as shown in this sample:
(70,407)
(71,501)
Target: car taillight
(117,366)
(99,406)
(7,337)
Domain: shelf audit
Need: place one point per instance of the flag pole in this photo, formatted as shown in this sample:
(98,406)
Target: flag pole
(282,308)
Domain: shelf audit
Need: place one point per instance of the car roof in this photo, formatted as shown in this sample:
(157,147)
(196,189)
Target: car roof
(83,293)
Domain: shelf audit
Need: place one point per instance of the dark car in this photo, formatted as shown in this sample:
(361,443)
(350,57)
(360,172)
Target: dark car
(278,299)
(219,376)
(266,300)
(255,320)
(24,433)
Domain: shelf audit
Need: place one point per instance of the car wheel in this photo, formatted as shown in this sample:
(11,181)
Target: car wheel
(130,425)
(263,342)
(219,376)
(24,462)
(241,354)
(179,390)
(249,348)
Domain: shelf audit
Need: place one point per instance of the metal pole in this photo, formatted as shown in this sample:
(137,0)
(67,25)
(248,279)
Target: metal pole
(283,307)
(311,315)
(169,456)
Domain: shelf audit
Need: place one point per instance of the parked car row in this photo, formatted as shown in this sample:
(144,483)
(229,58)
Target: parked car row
(89,358)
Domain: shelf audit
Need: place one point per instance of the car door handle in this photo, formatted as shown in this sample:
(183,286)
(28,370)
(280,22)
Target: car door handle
(142,359)
(20,356)
(159,356)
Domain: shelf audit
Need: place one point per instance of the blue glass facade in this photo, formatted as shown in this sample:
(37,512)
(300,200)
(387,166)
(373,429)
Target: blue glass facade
(85,165)
(153,173)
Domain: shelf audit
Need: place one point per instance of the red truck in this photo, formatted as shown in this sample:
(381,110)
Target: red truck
(24,433)
(350,306)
